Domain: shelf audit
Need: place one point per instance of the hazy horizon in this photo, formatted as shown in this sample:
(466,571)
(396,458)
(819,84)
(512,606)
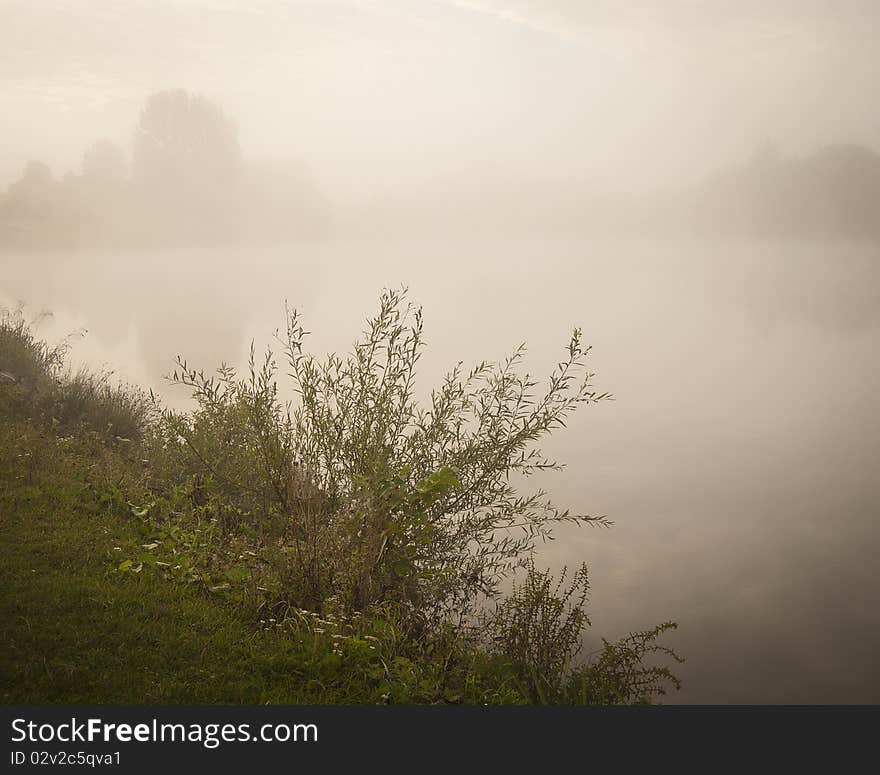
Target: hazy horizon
(376,97)
(739,458)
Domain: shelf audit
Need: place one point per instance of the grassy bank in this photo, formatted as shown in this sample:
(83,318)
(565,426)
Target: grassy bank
(76,631)
(247,552)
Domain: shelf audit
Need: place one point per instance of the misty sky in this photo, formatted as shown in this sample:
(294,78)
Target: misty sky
(739,460)
(379,94)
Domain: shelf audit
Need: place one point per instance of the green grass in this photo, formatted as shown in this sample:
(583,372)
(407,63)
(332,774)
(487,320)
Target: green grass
(74,631)
(74,628)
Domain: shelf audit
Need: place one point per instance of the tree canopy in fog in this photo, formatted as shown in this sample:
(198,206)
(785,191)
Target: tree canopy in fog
(187,182)
(184,140)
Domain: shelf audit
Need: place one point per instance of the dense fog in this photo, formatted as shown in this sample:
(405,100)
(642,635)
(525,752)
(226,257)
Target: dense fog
(698,189)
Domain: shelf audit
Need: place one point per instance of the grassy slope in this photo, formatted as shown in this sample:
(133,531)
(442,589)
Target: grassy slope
(73,631)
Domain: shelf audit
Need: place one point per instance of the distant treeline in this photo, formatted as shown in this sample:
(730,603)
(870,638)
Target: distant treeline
(832,194)
(186,181)
(835,193)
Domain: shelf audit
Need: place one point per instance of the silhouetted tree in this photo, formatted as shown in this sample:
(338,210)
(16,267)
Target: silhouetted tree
(41,211)
(35,186)
(186,166)
(184,138)
(27,212)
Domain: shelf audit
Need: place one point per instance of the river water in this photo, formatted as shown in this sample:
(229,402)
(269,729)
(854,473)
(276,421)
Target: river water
(738,460)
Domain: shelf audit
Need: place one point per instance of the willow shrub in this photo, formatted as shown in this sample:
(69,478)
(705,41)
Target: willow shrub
(372,497)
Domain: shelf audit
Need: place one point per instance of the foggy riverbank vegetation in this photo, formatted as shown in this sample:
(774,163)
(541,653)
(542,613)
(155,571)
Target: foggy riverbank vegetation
(319,539)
